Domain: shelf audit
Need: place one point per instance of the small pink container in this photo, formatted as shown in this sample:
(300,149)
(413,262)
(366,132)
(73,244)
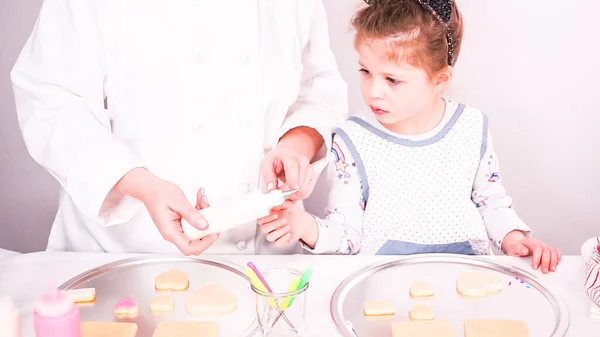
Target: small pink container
(56,315)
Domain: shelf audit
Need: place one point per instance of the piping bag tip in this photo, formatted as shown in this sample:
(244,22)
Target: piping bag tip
(288,194)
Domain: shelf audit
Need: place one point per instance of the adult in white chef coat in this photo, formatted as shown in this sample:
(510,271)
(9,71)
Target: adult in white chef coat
(135,106)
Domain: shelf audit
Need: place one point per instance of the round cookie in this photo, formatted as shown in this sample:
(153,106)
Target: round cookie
(421,312)
(421,289)
(162,304)
(172,280)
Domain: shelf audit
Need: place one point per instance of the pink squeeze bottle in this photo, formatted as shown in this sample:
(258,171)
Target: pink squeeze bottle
(56,315)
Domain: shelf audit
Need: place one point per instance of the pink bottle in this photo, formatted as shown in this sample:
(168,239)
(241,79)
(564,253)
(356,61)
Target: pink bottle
(56,315)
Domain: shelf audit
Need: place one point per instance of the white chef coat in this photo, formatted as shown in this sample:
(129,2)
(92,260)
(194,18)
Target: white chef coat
(196,91)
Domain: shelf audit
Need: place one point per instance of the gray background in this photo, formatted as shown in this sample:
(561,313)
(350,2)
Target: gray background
(530,65)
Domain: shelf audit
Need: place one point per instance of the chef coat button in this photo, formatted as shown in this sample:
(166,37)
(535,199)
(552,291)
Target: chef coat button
(245,188)
(198,58)
(245,123)
(241,245)
(243,58)
(198,127)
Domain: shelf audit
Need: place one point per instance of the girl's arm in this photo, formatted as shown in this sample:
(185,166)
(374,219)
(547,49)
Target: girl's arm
(494,205)
(341,230)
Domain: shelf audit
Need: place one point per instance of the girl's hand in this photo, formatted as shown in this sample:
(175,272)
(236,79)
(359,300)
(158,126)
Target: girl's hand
(290,160)
(517,244)
(289,223)
(289,165)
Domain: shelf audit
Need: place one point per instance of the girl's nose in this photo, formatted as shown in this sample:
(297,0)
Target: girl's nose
(375,89)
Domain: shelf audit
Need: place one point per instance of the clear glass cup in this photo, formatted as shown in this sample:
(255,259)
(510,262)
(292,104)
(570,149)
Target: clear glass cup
(282,312)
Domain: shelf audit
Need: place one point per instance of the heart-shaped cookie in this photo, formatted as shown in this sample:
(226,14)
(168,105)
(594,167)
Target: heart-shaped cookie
(127,308)
(478,283)
(212,299)
(172,280)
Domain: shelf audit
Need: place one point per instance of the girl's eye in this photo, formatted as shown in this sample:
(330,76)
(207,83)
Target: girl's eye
(364,71)
(392,81)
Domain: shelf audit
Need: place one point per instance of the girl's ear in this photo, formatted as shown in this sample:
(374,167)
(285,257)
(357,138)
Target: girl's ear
(443,78)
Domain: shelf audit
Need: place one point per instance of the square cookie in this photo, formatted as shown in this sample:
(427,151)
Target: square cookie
(108,329)
(378,308)
(495,328)
(186,329)
(433,328)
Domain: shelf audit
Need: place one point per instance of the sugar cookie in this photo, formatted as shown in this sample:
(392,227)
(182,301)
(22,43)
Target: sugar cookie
(495,328)
(421,312)
(432,328)
(172,280)
(162,304)
(127,308)
(83,295)
(378,308)
(212,299)
(108,329)
(380,318)
(476,283)
(185,329)
(421,289)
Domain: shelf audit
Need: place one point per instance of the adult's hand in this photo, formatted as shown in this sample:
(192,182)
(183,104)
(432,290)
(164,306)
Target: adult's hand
(167,205)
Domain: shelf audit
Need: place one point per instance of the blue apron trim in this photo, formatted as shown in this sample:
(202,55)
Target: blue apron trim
(394,247)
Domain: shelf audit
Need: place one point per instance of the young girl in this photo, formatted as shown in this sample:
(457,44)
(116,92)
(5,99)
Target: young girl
(419,173)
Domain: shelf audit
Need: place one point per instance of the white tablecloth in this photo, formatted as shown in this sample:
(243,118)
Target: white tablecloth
(24,277)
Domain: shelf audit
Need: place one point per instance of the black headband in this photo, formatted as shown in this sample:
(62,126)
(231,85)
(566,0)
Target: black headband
(442,11)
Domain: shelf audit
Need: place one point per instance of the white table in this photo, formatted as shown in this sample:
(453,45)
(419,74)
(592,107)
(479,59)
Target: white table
(24,277)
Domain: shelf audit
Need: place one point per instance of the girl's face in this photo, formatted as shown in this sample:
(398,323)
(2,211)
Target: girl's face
(396,91)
